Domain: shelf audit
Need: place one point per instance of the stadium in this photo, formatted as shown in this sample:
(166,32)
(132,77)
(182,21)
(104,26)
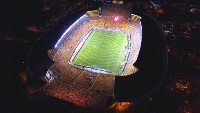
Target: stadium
(99,56)
(102,43)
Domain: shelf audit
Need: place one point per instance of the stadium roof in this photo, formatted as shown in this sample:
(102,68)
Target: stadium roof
(92,13)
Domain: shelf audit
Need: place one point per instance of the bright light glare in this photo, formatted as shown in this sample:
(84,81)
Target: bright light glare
(116,18)
(69,29)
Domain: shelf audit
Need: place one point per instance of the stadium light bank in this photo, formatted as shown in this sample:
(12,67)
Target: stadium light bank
(69,29)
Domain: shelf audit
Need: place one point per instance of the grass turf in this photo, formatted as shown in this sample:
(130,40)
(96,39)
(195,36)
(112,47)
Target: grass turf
(103,49)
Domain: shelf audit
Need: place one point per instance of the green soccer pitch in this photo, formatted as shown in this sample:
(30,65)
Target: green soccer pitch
(104,50)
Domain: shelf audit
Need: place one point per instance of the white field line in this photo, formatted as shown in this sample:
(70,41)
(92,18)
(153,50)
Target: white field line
(80,45)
